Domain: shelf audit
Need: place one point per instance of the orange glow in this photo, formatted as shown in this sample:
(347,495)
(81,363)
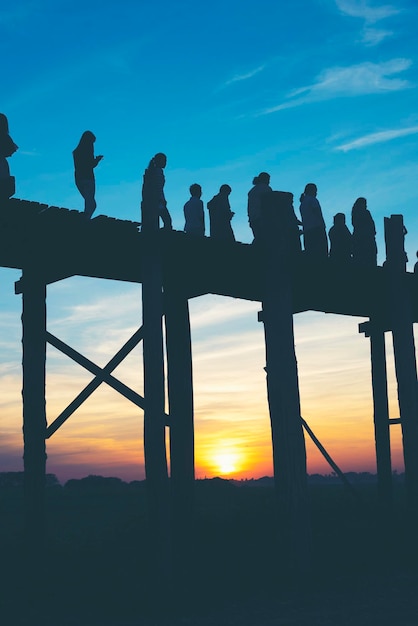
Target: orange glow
(231,416)
(226,462)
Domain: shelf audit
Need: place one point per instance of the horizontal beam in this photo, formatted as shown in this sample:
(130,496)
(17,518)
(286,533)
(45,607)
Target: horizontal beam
(227,269)
(395,420)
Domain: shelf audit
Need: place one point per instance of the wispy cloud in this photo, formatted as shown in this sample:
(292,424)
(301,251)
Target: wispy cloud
(380,137)
(371,15)
(373,36)
(362,9)
(355,80)
(208,311)
(237,78)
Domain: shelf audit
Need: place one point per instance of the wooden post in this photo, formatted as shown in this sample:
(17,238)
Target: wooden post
(34,414)
(289,453)
(180,393)
(404,352)
(154,400)
(375,331)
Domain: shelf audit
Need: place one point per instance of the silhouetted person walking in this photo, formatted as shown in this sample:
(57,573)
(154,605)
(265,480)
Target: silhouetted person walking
(154,205)
(84,164)
(314,234)
(193,212)
(364,234)
(340,240)
(7,149)
(261,186)
(220,215)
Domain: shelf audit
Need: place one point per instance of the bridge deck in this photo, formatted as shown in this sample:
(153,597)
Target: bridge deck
(64,244)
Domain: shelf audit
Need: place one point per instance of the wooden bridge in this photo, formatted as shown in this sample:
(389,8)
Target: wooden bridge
(50,244)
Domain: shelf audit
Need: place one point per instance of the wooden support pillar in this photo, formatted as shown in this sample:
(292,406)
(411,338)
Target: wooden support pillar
(154,417)
(34,413)
(375,331)
(289,453)
(401,322)
(180,393)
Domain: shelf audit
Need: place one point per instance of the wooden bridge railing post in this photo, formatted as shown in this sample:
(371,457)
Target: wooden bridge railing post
(180,394)
(401,322)
(154,415)
(289,452)
(375,331)
(34,410)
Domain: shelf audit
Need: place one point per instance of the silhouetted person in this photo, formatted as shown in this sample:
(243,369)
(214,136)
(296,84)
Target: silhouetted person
(340,240)
(315,239)
(261,186)
(84,164)
(280,224)
(416,265)
(364,234)
(7,149)
(193,212)
(220,215)
(154,205)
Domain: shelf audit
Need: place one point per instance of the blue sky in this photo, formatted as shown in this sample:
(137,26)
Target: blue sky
(320,91)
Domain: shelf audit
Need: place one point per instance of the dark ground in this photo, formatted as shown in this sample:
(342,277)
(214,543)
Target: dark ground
(94,569)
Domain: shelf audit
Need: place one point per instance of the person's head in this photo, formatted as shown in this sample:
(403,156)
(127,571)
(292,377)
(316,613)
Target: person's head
(195,190)
(262,178)
(225,190)
(4,124)
(339,219)
(360,203)
(86,139)
(310,189)
(159,160)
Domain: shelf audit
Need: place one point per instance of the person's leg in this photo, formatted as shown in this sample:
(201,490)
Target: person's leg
(87,188)
(89,198)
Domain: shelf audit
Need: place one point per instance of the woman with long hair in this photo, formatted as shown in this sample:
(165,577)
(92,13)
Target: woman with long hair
(315,239)
(261,186)
(84,164)
(154,204)
(364,234)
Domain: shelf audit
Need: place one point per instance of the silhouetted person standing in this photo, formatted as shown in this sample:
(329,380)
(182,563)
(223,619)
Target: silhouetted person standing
(84,164)
(193,212)
(7,149)
(364,234)
(220,215)
(261,186)
(314,234)
(280,224)
(154,205)
(340,240)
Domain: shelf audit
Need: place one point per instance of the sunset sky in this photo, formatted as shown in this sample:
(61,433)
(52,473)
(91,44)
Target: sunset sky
(320,91)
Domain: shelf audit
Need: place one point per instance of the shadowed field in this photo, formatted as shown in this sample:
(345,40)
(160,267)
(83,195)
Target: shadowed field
(95,564)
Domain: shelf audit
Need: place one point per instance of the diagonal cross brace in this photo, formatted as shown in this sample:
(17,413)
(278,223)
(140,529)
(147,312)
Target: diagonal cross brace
(101,375)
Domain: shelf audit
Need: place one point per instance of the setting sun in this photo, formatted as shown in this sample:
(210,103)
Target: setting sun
(226,462)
